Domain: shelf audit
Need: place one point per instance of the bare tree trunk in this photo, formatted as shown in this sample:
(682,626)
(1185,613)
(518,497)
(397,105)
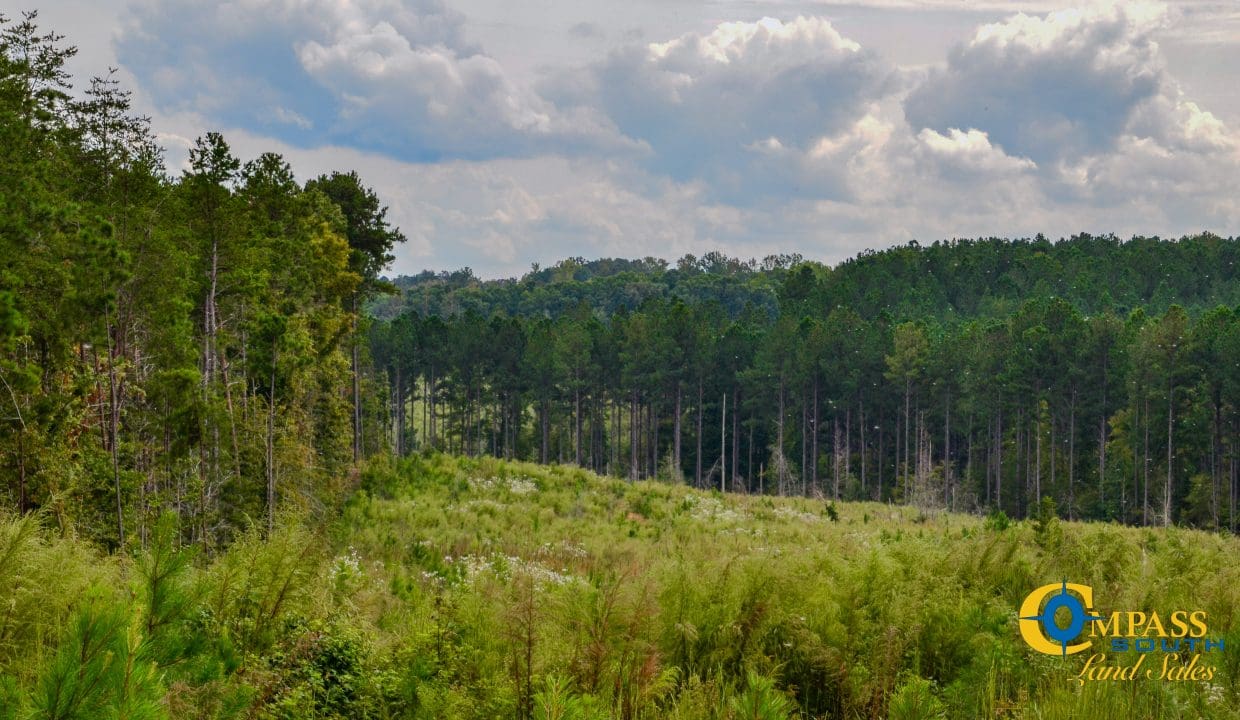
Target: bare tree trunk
(545,432)
(847,444)
(394,411)
(881,457)
(907,393)
(1051,451)
(947,450)
(999,459)
(209,319)
(434,411)
(1072,456)
(723,444)
(676,467)
(401,381)
(1037,457)
(814,442)
(993,468)
(271,456)
(1215,448)
(232,420)
(698,474)
(779,444)
(736,437)
(968,461)
(1102,457)
(1233,477)
(1030,429)
(1135,440)
(357,390)
(114,413)
(1145,464)
(835,455)
(749,459)
(22,503)
(804,442)
(633,436)
(1170,453)
(864,448)
(1102,435)
(654,440)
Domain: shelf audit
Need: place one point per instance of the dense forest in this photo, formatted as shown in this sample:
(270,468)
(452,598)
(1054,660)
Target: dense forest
(978,375)
(182,342)
(945,280)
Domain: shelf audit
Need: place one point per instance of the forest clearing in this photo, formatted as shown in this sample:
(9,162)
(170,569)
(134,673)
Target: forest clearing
(462,588)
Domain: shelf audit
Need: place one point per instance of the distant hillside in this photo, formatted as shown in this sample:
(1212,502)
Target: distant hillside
(605,285)
(962,278)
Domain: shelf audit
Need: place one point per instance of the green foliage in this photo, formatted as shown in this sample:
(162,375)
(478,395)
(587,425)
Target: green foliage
(259,582)
(42,581)
(1046,523)
(477,588)
(370,237)
(180,356)
(164,342)
(997,521)
(100,671)
(988,406)
(760,701)
(721,605)
(914,699)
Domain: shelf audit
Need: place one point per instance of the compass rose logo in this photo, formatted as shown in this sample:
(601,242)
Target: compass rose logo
(1038,625)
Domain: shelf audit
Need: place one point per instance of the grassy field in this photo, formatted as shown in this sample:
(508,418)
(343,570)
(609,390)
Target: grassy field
(453,588)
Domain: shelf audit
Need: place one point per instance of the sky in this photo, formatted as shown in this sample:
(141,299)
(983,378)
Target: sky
(503,134)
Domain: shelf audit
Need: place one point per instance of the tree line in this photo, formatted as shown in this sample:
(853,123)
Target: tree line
(1127,414)
(962,278)
(169,341)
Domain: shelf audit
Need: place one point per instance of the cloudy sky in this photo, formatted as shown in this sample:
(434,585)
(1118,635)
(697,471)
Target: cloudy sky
(505,133)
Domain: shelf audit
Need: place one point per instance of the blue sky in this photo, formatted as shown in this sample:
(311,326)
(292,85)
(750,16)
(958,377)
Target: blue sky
(503,134)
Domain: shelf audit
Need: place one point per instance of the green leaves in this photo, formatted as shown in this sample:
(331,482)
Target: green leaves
(761,701)
(370,237)
(910,351)
(145,319)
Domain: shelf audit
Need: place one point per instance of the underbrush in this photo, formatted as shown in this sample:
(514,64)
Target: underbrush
(476,588)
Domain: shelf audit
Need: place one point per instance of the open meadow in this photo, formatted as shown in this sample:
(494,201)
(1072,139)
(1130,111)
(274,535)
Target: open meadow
(457,588)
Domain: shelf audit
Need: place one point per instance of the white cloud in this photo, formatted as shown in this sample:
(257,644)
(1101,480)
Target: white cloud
(736,107)
(1061,85)
(970,152)
(1082,99)
(291,117)
(377,74)
(751,137)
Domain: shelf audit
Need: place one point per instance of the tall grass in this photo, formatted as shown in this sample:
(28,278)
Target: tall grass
(458,588)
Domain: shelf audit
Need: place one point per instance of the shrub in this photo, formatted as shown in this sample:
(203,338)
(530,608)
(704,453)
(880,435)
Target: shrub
(914,699)
(760,700)
(998,521)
